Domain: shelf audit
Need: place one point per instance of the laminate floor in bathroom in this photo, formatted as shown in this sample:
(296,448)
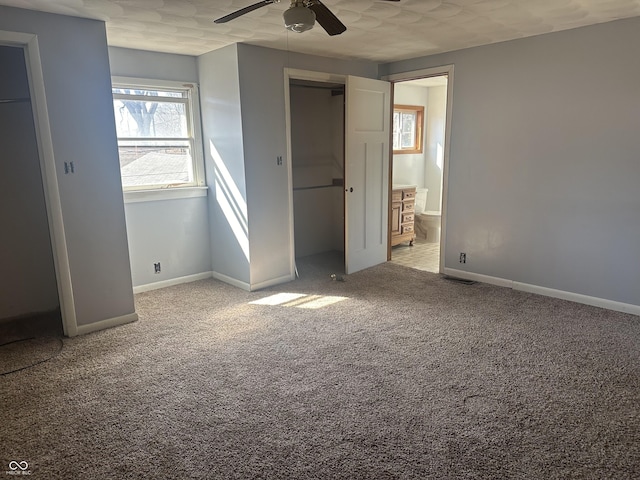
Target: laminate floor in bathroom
(422,255)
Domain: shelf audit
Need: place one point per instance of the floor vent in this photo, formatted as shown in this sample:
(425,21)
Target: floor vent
(459,280)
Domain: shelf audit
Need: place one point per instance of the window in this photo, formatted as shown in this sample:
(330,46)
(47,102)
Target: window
(407,128)
(158,139)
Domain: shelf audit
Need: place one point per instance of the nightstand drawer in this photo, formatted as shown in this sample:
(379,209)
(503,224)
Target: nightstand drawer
(407,228)
(407,217)
(408,206)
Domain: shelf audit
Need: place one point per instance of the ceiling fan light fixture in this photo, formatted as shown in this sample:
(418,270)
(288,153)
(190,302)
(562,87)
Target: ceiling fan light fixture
(299,18)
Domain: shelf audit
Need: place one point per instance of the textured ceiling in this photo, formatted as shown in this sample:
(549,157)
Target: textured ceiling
(378,31)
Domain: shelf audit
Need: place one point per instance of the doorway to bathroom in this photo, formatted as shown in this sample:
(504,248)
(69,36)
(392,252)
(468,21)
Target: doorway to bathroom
(418,168)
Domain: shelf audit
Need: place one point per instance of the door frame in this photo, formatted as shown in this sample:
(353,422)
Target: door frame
(415,75)
(297,74)
(29,43)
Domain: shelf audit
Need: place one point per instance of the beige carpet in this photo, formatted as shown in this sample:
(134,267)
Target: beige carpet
(393,373)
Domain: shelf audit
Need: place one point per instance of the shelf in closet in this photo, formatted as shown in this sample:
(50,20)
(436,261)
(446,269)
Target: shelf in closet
(336,182)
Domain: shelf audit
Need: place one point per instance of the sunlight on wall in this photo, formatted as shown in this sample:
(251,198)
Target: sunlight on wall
(231,201)
(299,300)
(440,156)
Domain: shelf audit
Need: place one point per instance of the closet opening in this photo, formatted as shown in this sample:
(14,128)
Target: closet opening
(317,115)
(28,280)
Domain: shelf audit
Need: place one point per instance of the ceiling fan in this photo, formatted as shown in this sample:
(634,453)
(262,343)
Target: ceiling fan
(300,16)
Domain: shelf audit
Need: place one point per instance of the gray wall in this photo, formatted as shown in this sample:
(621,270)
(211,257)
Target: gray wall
(126,62)
(174,232)
(76,73)
(222,133)
(543,172)
(28,280)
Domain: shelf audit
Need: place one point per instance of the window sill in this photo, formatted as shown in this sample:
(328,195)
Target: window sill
(137,196)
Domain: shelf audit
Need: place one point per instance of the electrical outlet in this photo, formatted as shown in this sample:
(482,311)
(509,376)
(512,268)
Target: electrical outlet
(463,257)
(156,267)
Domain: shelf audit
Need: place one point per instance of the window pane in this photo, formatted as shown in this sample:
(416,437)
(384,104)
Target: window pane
(408,130)
(155,163)
(397,128)
(138,119)
(155,136)
(149,92)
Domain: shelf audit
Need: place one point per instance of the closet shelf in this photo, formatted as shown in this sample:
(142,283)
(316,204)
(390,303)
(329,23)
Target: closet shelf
(336,182)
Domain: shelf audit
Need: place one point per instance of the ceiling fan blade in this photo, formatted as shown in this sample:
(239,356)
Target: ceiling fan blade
(244,10)
(326,18)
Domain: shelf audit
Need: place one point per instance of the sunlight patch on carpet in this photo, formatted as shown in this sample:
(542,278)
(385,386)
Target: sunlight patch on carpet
(299,300)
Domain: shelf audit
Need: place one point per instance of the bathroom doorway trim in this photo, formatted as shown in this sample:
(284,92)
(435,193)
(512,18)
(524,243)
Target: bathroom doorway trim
(426,73)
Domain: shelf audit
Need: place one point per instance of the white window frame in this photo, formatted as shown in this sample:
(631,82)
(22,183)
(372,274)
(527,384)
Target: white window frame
(198,186)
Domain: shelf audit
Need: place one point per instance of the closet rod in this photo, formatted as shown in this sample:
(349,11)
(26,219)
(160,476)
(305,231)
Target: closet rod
(15,100)
(314,187)
(318,87)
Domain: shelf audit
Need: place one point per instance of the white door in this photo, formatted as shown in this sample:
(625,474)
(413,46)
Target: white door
(367,119)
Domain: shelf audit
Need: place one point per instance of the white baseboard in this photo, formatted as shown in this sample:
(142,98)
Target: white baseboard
(231,281)
(547,292)
(500,282)
(102,324)
(272,282)
(253,286)
(172,281)
(579,298)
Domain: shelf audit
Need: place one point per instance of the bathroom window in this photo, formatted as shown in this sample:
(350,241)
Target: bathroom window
(407,128)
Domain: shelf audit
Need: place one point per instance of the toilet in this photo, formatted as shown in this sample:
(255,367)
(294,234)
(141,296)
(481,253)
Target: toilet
(421,200)
(427,222)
